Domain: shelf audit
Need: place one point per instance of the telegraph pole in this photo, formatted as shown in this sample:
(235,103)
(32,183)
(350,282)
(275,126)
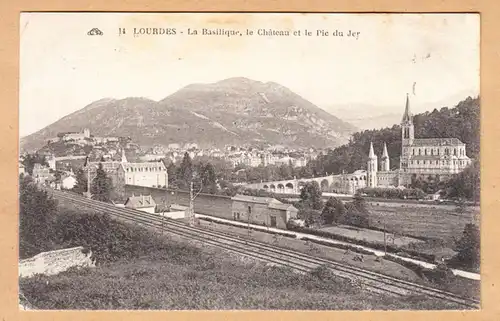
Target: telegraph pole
(162,213)
(192,197)
(248,223)
(385,241)
(191,205)
(88,180)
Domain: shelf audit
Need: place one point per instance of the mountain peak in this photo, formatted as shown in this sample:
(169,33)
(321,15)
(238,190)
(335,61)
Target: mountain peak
(235,111)
(238,80)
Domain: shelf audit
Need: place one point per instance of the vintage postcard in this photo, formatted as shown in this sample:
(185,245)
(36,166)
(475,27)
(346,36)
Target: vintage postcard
(249,161)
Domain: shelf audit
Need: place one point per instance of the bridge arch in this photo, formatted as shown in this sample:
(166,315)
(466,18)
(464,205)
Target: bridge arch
(266,187)
(324,185)
(336,186)
(281,188)
(289,188)
(272,188)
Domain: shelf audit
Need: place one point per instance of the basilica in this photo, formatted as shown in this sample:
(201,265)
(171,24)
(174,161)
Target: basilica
(425,158)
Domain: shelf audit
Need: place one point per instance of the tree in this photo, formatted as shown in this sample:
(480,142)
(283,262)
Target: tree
(309,215)
(466,184)
(81,182)
(30,160)
(185,174)
(58,176)
(461,207)
(36,214)
(310,195)
(209,179)
(360,204)
(333,212)
(101,186)
(468,247)
(357,213)
(172,174)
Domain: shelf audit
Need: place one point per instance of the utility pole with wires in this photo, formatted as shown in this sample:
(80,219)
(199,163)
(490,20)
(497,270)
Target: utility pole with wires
(248,221)
(385,237)
(88,181)
(192,197)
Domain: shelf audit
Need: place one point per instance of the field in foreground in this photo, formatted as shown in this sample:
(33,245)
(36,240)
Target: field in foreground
(431,222)
(208,279)
(140,269)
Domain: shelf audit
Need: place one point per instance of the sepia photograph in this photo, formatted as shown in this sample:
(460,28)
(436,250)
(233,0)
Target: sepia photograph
(249,161)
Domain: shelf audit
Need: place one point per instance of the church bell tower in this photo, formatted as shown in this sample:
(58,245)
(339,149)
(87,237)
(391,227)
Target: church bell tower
(407,135)
(385,164)
(372,168)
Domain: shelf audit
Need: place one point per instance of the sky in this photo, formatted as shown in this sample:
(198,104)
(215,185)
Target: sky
(63,69)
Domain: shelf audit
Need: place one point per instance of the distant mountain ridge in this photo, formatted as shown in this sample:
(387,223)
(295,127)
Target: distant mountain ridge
(232,111)
(367,116)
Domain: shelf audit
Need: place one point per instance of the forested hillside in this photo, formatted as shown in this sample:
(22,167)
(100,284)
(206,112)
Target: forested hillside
(462,122)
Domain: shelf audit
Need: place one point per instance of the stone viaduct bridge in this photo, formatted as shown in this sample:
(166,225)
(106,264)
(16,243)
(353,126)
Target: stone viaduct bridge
(341,183)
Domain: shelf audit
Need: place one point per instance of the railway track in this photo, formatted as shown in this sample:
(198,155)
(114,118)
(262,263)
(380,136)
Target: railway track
(372,281)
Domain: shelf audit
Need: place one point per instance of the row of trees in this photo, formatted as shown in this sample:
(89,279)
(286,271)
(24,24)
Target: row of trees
(316,212)
(465,185)
(36,214)
(29,161)
(201,174)
(386,192)
(100,187)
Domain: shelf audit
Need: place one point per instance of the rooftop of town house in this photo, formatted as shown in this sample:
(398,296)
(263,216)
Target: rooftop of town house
(140,201)
(255,199)
(286,207)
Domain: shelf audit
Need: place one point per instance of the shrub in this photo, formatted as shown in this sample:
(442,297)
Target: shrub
(36,214)
(378,246)
(110,240)
(468,248)
(392,193)
(334,211)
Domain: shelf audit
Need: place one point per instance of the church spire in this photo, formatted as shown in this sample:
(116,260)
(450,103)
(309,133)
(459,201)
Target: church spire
(385,160)
(372,168)
(372,153)
(124,158)
(407,116)
(385,154)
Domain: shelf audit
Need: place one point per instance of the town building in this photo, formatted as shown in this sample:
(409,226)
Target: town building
(68,182)
(22,169)
(141,203)
(41,174)
(424,158)
(79,136)
(149,174)
(262,210)
(51,160)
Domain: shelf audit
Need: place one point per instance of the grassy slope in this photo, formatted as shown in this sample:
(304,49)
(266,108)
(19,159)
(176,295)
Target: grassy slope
(203,281)
(174,275)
